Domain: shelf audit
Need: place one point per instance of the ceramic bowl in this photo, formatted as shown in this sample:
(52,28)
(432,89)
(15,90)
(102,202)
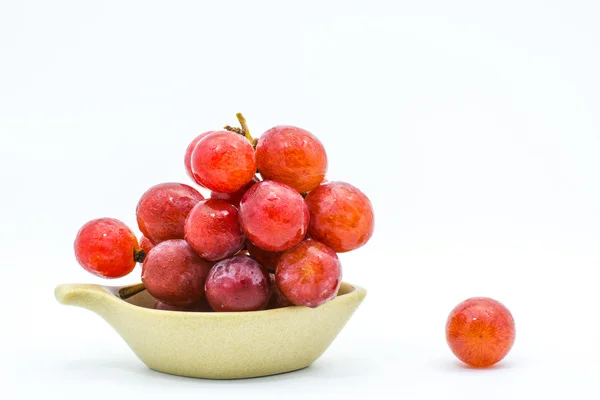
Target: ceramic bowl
(217,345)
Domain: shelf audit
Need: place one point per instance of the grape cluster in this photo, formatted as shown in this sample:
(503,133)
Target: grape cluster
(267,237)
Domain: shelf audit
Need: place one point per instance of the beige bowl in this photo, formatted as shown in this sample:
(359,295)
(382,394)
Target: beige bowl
(217,345)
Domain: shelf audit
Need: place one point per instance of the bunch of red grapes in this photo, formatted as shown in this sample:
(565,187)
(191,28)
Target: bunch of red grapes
(267,237)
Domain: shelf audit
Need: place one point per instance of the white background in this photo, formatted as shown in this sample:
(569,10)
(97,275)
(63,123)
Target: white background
(474,127)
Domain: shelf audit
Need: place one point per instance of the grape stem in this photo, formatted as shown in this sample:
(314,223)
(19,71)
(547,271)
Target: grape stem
(139,256)
(128,291)
(244,131)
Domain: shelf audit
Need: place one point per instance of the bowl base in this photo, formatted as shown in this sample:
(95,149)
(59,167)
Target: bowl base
(225,377)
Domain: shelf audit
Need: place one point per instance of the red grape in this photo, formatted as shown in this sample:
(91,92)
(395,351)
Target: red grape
(162,210)
(174,274)
(341,216)
(310,274)
(480,331)
(223,162)
(277,299)
(235,197)
(201,306)
(213,230)
(238,283)
(292,156)
(146,244)
(273,216)
(188,153)
(107,248)
(265,258)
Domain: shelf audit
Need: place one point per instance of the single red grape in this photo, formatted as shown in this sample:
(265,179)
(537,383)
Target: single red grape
(265,258)
(235,197)
(146,244)
(223,162)
(213,230)
(277,299)
(273,216)
(292,156)
(162,210)
(174,274)
(238,283)
(107,248)
(201,306)
(480,331)
(310,274)
(188,153)
(341,216)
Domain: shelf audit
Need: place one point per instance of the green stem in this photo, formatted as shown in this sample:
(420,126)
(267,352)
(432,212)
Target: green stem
(244,126)
(244,131)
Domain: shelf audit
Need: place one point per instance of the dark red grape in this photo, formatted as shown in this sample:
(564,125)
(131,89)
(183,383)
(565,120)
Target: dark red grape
(188,153)
(223,162)
(107,248)
(277,299)
(341,216)
(213,229)
(265,258)
(174,274)
(238,283)
(163,209)
(235,197)
(273,216)
(292,156)
(310,274)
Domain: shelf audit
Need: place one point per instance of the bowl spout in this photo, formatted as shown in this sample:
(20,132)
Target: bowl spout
(92,297)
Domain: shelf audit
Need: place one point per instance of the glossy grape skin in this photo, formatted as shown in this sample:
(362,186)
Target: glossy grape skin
(277,300)
(213,230)
(273,216)
(174,274)
(267,259)
(146,244)
(106,247)
(188,153)
(310,274)
(480,331)
(163,209)
(341,216)
(201,306)
(238,283)
(292,156)
(223,162)
(235,197)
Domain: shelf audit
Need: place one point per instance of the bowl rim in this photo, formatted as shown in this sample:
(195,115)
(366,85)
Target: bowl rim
(112,294)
